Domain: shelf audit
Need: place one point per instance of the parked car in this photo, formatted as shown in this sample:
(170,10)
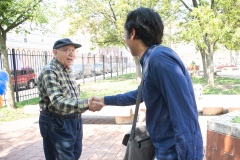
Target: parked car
(108,68)
(80,71)
(25,78)
(115,67)
(88,70)
(98,69)
(216,70)
(227,67)
(77,71)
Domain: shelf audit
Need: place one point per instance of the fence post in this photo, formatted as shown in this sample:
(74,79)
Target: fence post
(122,62)
(126,64)
(15,74)
(94,68)
(46,57)
(103,66)
(117,65)
(111,65)
(83,70)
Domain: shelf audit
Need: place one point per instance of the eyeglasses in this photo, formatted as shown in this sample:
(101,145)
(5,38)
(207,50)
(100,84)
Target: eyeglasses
(68,51)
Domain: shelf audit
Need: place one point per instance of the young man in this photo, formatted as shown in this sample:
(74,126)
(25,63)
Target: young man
(60,119)
(171,111)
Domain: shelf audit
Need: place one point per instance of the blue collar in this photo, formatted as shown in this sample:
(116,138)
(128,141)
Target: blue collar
(147,53)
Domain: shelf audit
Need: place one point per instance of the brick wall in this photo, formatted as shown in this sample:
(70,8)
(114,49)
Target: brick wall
(222,146)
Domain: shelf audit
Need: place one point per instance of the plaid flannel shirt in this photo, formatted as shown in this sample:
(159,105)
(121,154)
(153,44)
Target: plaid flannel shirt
(58,90)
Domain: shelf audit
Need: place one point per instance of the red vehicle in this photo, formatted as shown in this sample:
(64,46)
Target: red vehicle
(25,77)
(227,67)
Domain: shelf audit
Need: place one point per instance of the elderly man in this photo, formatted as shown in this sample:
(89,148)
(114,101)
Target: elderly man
(61,108)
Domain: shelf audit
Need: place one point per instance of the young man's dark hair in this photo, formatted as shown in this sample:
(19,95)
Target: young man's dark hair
(148,25)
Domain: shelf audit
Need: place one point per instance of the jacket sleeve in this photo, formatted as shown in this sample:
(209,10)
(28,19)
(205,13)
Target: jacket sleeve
(128,98)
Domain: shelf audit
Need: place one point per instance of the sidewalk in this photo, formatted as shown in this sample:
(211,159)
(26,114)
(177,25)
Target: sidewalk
(21,140)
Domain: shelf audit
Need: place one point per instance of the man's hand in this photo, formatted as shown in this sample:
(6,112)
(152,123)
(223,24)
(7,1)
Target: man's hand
(96,103)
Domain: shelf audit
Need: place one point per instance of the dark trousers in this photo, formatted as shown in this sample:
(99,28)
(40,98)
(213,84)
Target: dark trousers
(62,138)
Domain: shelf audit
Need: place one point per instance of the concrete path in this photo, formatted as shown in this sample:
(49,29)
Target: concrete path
(21,140)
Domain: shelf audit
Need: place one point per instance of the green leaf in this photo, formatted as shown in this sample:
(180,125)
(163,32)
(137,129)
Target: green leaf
(236,120)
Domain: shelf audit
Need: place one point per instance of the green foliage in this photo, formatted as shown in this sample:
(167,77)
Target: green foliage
(14,13)
(216,21)
(104,19)
(193,63)
(231,32)
(209,24)
(18,113)
(236,120)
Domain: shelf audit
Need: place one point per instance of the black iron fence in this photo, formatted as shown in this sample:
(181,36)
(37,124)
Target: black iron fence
(26,64)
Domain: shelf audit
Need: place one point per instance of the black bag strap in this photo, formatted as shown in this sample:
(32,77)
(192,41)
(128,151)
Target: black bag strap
(136,110)
(139,96)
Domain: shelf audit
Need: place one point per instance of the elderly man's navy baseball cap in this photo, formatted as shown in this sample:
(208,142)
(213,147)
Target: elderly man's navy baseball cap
(64,42)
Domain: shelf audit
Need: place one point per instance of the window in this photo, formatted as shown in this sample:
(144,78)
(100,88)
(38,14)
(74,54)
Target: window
(23,72)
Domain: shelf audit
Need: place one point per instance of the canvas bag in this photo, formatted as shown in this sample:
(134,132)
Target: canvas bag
(138,142)
(141,147)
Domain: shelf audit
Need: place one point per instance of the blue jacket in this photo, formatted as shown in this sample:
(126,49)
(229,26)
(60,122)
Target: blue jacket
(171,114)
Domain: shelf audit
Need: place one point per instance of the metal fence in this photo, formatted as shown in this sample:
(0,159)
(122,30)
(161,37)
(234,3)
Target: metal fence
(22,61)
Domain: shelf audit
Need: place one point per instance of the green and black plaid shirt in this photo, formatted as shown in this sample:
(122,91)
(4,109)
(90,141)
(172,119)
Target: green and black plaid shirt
(58,90)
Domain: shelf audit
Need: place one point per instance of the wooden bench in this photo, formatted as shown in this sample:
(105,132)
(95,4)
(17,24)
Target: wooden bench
(218,104)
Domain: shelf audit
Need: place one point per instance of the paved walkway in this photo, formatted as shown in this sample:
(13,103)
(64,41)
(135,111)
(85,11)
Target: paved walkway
(20,140)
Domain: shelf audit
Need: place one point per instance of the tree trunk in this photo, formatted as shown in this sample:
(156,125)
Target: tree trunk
(210,69)
(11,104)
(209,61)
(203,55)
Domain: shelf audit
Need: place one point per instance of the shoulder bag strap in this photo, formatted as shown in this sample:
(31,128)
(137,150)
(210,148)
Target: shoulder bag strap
(132,136)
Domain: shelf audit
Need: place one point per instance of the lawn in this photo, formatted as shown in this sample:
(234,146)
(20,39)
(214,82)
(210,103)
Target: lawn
(121,84)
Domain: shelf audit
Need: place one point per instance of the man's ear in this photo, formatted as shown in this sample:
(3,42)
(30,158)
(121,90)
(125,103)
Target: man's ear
(133,33)
(55,52)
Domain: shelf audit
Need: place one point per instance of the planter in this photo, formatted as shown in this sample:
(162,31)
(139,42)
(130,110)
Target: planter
(193,68)
(223,138)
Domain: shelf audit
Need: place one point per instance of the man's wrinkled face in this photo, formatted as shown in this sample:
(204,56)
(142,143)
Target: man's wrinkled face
(65,55)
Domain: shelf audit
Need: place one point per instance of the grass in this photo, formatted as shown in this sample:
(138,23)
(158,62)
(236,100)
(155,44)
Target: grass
(110,86)
(18,113)
(223,86)
(121,84)
(236,120)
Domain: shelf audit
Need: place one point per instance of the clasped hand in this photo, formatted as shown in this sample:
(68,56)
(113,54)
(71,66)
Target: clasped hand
(96,103)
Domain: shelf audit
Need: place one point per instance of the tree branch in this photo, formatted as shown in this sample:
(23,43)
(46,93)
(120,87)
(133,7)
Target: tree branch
(186,5)
(22,18)
(19,20)
(15,24)
(114,16)
(1,29)
(212,4)
(195,4)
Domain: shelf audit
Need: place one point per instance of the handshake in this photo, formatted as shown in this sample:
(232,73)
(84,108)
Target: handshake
(96,103)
